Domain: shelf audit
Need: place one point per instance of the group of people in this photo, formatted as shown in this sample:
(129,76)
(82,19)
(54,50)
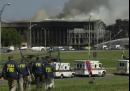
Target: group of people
(22,74)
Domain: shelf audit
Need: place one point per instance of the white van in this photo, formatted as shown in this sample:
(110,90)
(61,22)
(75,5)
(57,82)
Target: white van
(82,68)
(123,67)
(63,70)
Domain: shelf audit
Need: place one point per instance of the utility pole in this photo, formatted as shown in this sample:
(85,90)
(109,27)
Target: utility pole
(98,32)
(89,38)
(45,36)
(30,33)
(110,40)
(1,11)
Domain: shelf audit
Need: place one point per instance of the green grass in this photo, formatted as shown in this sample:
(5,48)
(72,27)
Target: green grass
(107,57)
(108,83)
(17,55)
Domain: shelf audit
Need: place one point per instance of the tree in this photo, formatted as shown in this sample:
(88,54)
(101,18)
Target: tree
(10,36)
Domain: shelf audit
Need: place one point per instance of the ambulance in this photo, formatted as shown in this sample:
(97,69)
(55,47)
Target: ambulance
(123,67)
(88,68)
(63,70)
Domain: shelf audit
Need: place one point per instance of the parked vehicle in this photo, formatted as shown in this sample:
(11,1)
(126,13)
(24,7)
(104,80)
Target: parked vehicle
(61,48)
(39,48)
(82,68)
(71,48)
(123,67)
(105,47)
(24,46)
(5,50)
(11,48)
(63,70)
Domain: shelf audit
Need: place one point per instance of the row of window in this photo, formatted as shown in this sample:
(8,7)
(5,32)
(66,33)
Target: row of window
(82,66)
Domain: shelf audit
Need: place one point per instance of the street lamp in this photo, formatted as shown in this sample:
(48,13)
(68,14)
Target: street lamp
(110,40)
(30,28)
(45,37)
(98,32)
(89,38)
(1,11)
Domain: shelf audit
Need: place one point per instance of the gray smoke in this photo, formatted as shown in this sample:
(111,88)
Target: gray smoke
(82,6)
(106,10)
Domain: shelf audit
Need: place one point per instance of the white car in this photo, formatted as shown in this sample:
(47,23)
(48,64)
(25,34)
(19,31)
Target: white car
(39,48)
(24,47)
(12,48)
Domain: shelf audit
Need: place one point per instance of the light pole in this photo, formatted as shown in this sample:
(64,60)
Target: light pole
(1,11)
(110,40)
(98,32)
(30,33)
(89,38)
(45,36)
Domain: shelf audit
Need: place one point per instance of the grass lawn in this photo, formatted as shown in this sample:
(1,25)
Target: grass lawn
(108,83)
(107,57)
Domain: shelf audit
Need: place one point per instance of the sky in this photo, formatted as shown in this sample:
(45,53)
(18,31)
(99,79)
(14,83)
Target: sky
(24,9)
(107,10)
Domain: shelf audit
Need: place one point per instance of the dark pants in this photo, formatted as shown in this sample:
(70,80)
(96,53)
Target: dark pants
(39,80)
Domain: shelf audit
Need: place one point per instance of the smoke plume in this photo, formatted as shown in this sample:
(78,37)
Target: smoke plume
(40,15)
(106,10)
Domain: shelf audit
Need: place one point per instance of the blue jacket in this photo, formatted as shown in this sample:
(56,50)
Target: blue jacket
(37,68)
(10,70)
(48,71)
(24,71)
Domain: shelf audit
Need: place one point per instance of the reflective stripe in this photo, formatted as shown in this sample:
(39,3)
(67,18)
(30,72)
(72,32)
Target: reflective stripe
(10,68)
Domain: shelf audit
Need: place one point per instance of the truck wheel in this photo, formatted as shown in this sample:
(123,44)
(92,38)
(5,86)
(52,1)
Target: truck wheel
(42,50)
(62,76)
(73,75)
(90,75)
(103,73)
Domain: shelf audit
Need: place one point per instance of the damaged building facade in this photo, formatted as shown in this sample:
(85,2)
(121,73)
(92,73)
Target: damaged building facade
(60,32)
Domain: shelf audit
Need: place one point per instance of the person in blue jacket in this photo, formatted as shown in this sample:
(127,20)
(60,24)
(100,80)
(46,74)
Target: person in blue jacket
(24,76)
(49,75)
(37,70)
(10,72)
(31,76)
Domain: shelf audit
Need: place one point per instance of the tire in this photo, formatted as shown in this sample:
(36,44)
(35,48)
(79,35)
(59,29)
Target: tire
(62,76)
(90,75)
(73,75)
(42,50)
(103,73)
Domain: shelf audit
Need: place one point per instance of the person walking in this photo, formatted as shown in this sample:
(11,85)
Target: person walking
(49,75)
(10,72)
(37,70)
(23,80)
(94,54)
(31,76)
